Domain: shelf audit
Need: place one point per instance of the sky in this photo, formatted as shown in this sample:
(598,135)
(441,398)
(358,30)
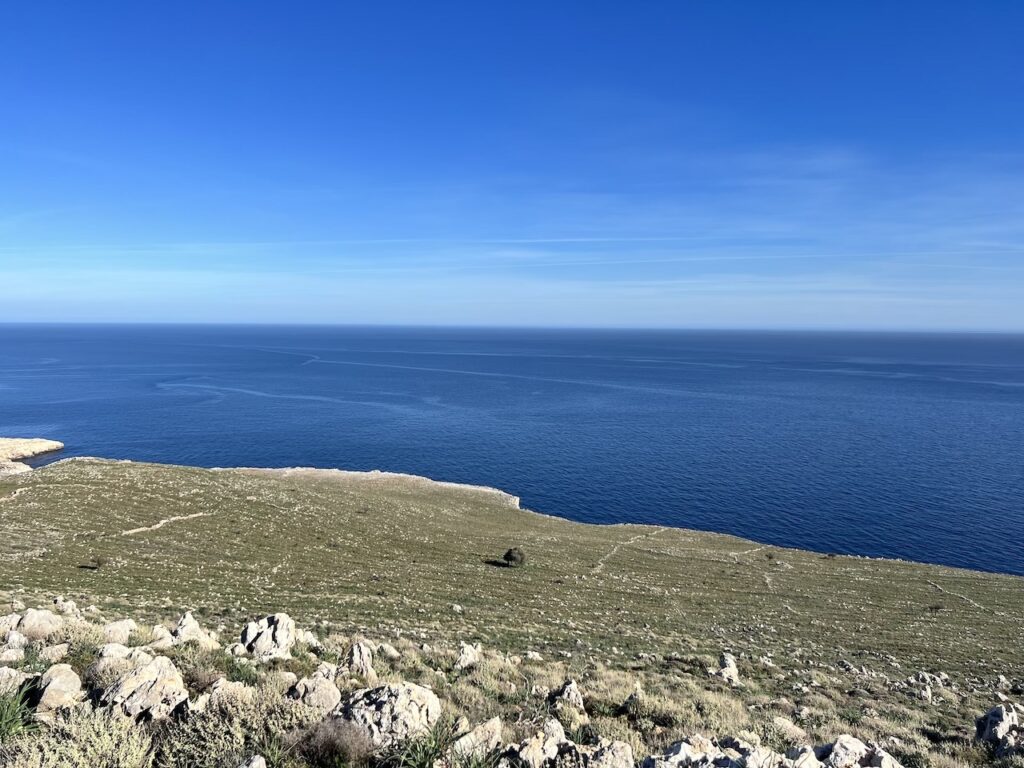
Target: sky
(695,164)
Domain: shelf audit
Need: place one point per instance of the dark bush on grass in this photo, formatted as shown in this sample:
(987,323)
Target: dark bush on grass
(514,558)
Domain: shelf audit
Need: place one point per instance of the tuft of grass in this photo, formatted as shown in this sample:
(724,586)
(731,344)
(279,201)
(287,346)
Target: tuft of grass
(15,715)
(237,671)
(423,751)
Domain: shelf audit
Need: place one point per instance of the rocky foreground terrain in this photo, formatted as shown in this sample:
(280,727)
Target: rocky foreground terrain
(81,691)
(305,618)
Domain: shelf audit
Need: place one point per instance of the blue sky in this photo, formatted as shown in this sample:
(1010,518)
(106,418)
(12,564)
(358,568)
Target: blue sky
(683,164)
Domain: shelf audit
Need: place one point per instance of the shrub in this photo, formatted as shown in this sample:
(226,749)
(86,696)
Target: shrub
(238,671)
(83,739)
(333,743)
(231,730)
(514,558)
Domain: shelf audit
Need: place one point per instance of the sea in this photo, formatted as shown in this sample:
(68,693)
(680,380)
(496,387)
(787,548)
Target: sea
(885,445)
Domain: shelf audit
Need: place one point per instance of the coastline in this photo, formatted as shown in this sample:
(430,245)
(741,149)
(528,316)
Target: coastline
(13,450)
(504,499)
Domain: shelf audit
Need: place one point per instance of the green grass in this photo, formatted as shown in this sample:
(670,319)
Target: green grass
(15,715)
(379,556)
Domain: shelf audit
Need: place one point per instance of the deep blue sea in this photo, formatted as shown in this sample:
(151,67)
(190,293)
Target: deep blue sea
(897,445)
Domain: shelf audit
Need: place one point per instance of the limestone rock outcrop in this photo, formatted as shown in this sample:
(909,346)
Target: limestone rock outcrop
(150,691)
(58,688)
(317,691)
(188,630)
(39,624)
(360,662)
(1000,728)
(392,713)
(272,637)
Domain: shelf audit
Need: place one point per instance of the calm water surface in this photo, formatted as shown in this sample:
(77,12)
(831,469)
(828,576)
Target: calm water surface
(906,446)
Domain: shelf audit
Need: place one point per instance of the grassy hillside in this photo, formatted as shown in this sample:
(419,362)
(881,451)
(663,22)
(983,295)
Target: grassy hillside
(377,555)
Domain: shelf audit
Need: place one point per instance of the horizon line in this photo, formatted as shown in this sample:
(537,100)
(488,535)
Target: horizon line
(495,327)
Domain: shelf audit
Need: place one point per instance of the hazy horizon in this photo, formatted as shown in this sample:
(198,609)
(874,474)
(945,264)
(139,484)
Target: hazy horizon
(793,166)
(485,327)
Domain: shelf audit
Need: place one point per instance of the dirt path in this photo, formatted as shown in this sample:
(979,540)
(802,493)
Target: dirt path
(599,566)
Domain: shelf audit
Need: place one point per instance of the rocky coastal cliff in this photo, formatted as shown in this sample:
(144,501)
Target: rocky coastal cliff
(14,449)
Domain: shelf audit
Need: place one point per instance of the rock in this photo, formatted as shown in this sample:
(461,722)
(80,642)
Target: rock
(318,692)
(66,607)
(272,637)
(328,671)
(469,656)
(1000,728)
(389,652)
(11,680)
(747,751)
(114,656)
(533,656)
(478,743)
(360,662)
(119,631)
(58,688)
(544,749)
(727,669)
(846,752)
(54,653)
(11,655)
(39,624)
(14,449)
(308,639)
(118,651)
(610,754)
(393,713)
(162,638)
(693,750)
(996,724)
(792,731)
(762,757)
(189,631)
(8,623)
(803,757)
(151,691)
(879,758)
(256,761)
(16,640)
(569,696)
